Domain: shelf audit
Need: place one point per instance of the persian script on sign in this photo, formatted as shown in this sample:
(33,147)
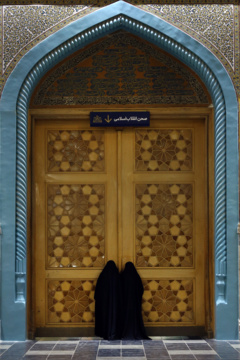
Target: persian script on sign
(107,119)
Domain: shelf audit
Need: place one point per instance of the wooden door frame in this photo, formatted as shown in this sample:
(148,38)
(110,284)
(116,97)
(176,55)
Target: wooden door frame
(155,113)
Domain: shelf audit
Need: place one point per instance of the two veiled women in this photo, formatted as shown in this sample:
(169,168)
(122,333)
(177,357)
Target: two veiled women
(118,299)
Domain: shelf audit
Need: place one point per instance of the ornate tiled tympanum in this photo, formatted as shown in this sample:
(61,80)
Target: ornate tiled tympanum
(71,301)
(164,222)
(76,225)
(75,150)
(120,69)
(168,301)
(163,150)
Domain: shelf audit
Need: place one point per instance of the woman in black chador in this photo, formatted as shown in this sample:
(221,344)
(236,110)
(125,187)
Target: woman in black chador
(107,303)
(132,291)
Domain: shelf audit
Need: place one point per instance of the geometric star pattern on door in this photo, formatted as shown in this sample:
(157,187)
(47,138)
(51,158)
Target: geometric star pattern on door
(71,301)
(163,150)
(167,301)
(75,150)
(164,214)
(76,225)
(158,233)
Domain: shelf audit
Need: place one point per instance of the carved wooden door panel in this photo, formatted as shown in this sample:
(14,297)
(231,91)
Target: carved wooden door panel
(75,200)
(130,195)
(164,180)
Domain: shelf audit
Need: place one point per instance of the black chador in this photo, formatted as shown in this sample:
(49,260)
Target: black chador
(107,303)
(132,291)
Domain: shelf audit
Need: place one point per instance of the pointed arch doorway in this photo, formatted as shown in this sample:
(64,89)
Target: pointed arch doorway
(17,94)
(128,194)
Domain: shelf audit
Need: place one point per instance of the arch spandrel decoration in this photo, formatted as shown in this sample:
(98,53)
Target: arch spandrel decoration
(122,16)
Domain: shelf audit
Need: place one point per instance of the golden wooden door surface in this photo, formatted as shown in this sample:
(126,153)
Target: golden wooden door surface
(164,180)
(129,195)
(75,185)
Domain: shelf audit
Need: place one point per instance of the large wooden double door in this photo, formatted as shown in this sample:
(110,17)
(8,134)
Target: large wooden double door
(134,194)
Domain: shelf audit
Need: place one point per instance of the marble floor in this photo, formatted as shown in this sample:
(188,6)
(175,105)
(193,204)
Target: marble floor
(96,349)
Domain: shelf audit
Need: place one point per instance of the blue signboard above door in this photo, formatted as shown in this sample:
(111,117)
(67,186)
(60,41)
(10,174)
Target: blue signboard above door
(123,118)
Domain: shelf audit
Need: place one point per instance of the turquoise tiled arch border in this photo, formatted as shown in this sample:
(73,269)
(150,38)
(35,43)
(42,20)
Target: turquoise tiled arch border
(14,115)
